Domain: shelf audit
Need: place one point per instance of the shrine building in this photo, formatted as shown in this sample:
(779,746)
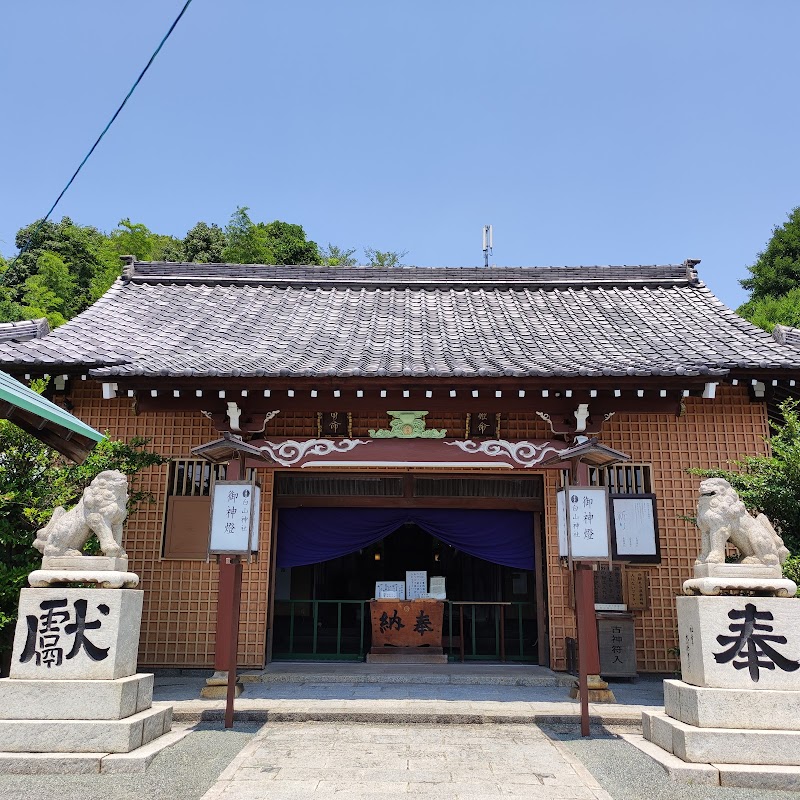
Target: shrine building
(408,419)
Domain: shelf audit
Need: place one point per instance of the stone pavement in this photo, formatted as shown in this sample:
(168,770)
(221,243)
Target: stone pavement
(321,760)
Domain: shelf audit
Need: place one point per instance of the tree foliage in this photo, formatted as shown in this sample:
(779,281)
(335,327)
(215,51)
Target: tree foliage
(771,484)
(275,242)
(771,311)
(204,244)
(777,269)
(66,267)
(335,256)
(34,480)
(385,258)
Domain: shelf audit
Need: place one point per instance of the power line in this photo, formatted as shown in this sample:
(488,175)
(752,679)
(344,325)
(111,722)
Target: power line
(99,138)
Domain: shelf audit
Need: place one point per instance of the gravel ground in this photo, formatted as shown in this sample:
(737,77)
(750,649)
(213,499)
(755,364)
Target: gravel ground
(184,771)
(628,774)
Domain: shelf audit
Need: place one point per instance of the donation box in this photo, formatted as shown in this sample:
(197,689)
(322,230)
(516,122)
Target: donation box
(407,623)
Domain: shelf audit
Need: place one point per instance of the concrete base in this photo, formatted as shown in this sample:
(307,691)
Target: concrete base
(34,699)
(747,776)
(766,587)
(749,709)
(85,736)
(136,761)
(721,745)
(710,569)
(406,655)
(42,578)
(598,690)
(220,691)
(95,563)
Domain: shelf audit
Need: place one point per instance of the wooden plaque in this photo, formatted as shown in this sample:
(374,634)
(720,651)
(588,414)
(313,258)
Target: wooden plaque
(637,589)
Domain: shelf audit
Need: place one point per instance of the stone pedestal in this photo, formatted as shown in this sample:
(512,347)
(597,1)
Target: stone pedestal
(739,700)
(73,685)
(216,687)
(597,688)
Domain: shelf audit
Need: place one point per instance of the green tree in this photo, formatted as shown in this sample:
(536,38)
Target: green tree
(771,311)
(33,481)
(275,242)
(333,256)
(247,242)
(51,291)
(289,245)
(777,269)
(771,484)
(384,258)
(204,244)
(84,249)
(136,239)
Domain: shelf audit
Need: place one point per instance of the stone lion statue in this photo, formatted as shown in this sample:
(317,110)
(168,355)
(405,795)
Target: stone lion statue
(101,510)
(722,518)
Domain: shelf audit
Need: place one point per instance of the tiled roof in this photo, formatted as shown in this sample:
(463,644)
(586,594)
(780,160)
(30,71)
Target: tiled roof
(784,334)
(223,320)
(24,330)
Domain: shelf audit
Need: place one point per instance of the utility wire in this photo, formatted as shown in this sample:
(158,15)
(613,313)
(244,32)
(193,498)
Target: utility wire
(99,138)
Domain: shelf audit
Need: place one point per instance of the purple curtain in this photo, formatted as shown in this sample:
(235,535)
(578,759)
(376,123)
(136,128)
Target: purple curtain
(310,535)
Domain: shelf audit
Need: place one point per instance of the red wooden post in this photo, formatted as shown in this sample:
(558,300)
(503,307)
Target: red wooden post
(229,596)
(588,647)
(233,643)
(588,651)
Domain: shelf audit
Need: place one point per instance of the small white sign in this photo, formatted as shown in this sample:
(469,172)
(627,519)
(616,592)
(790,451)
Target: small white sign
(437,588)
(587,520)
(397,590)
(234,517)
(416,584)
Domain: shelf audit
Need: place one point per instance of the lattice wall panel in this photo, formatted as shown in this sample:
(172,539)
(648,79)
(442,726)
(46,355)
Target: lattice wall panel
(179,616)
(181,596)
(710,433)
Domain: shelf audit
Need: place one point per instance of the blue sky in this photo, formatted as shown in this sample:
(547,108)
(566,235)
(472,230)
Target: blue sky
(585,132)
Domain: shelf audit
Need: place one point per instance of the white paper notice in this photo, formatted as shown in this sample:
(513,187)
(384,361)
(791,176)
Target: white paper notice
(416,584)
(634,526)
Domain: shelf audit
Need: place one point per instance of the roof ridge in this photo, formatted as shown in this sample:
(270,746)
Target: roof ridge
(408,276)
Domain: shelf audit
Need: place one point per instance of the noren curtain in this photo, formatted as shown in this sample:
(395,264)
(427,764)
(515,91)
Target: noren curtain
(310,535)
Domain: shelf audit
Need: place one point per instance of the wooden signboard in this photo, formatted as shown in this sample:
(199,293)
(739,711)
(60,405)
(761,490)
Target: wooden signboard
(410,623)
(617,645)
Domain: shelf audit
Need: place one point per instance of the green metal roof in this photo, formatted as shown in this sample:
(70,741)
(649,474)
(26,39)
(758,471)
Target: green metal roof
(46,421)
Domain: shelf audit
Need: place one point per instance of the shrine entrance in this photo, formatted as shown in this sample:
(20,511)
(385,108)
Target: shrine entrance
(337,536)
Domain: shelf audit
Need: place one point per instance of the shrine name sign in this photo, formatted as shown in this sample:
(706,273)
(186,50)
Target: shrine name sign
(583,526)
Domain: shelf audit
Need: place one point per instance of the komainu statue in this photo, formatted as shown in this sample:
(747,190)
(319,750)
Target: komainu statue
(101,510)
(722,518)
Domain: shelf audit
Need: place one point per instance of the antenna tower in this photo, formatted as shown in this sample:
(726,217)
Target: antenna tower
(487,244)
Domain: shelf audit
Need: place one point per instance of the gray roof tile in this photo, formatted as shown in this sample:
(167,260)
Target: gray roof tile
(200,320)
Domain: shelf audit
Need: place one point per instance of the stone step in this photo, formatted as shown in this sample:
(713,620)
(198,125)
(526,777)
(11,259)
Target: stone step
(455,674)
(75,699)
(85,736)
(136,761)
(721,745)
(406,658)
